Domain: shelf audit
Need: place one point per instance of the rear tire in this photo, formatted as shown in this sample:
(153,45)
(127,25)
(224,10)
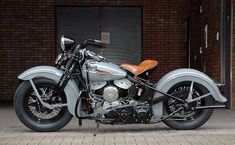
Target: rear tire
(30,116)
(199,119)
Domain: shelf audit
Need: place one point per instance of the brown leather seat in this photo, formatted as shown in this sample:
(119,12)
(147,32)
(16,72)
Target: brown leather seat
(142,67)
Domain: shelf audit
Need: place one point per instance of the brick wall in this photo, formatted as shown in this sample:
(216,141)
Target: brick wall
(211,17)
(28,32)
(210,56)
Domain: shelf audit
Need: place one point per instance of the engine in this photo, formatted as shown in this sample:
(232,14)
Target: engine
(111,91)
(134,112)
(117,103)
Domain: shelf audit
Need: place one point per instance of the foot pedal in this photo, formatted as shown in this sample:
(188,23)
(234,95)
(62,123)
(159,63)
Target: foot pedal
(97,126)
(80,121)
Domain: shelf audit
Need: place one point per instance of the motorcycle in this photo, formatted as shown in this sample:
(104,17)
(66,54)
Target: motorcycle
(88,86)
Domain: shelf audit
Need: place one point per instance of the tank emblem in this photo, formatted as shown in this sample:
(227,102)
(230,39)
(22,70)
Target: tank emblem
(103,73)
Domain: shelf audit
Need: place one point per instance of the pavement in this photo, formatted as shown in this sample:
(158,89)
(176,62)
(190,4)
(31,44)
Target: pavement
(219,130)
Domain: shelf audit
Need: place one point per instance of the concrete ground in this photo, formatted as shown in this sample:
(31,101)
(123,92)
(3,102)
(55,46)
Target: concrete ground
(219,130)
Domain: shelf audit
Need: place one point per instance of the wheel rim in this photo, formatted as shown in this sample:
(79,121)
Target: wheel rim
(39,113)
(189,113)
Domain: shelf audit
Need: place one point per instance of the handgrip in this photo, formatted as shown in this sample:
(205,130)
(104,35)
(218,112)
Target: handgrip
(95,43)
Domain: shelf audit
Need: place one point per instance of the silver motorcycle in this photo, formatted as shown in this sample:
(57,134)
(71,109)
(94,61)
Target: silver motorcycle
(86,85)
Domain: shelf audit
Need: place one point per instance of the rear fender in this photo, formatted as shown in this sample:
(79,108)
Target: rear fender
(71,90)
(180,75)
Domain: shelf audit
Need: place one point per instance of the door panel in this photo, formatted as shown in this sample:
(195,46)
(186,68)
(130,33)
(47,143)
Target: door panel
(79,23)
(122,25)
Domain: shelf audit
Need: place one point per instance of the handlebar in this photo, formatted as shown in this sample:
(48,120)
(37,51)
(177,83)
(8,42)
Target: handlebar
(80,50)
(91,42)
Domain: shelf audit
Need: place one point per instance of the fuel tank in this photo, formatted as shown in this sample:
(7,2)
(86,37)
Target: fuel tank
(102,71)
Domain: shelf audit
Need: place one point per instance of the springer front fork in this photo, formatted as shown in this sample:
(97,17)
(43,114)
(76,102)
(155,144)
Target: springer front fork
(50,106)
(59,88)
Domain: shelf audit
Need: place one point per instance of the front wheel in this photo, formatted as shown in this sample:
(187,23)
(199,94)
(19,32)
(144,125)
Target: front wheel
(33,114)
(190,118)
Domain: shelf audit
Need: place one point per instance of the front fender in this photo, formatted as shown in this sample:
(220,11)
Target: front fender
(179,75)
(71,90)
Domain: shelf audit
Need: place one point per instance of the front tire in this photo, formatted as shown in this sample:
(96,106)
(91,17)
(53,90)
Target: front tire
(33,114)
(196,118)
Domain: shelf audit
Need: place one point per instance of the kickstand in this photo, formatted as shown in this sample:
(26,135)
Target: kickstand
(96,129)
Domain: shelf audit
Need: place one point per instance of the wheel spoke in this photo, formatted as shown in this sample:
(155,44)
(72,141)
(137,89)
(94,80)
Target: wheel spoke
(49,94)
(188,92)
(40,112)
(42,91)
(31,100)
(32,108)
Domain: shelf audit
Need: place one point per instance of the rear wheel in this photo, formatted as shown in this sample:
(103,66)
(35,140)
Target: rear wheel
(188,118)
(33,114)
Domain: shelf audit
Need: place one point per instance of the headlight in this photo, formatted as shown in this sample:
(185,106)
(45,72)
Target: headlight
(66,43)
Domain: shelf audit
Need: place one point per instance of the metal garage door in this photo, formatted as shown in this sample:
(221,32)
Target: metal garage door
(120,26)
